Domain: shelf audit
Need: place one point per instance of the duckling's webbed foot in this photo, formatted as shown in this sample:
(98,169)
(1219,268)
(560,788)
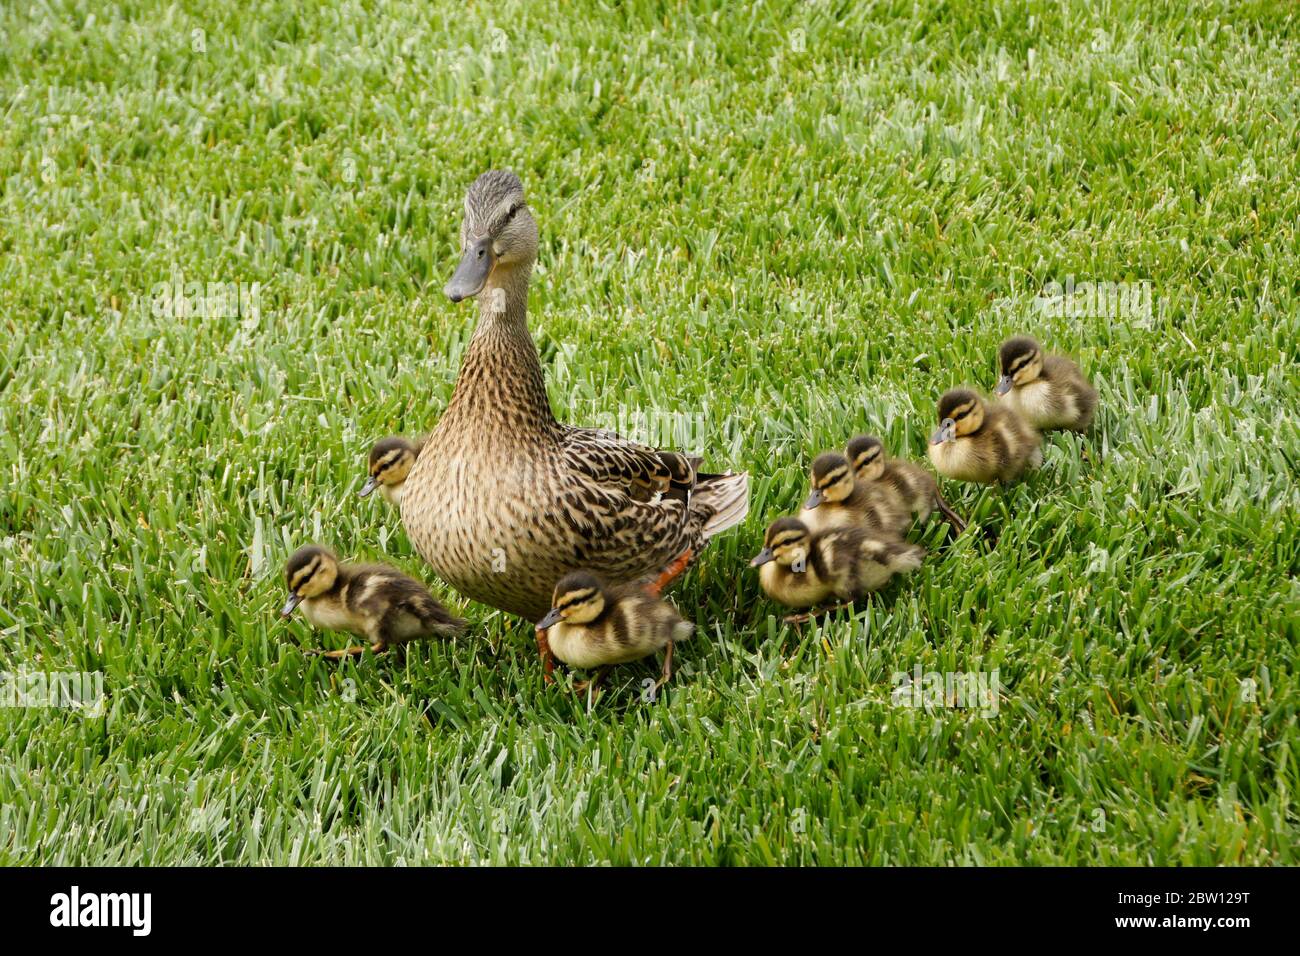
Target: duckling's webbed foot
(672,572)
(583,686)
(548,660)
(813,613)
(355,651)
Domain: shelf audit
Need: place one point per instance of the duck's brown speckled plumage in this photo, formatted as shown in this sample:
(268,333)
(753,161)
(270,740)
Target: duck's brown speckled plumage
(504,500)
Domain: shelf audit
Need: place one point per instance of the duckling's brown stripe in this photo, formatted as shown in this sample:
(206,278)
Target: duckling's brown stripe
(305,574)
(576,597)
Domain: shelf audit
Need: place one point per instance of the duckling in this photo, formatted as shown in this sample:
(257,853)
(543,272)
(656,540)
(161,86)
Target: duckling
(838,501)
(592,625)
(802,568)
(390,462)
(1048,391)
(375,601)
(980,442)
(910,489)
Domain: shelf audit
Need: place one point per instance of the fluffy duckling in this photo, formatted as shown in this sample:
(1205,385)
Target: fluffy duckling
(838,501)
(390,462)
(592,625)
(910,489)
(801,568)
(374,601)
(1048,391)
(980,442)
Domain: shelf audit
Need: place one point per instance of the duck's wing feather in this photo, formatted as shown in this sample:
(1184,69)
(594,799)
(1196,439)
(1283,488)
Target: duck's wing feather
(636,469)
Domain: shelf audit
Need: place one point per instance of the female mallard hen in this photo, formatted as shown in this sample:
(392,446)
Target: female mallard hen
(504,500)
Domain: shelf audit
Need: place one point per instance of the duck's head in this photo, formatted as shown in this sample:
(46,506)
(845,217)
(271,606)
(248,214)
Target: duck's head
(1021,361)
(391,459)
(787,542)
(832,479)
(866,453)
(579,599)
(310,571)
(961,412)
(497,237)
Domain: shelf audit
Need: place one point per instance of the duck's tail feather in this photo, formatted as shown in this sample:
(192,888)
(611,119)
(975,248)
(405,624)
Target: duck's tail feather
(727,496)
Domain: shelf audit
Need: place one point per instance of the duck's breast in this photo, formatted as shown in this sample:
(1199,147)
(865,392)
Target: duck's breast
(486,523)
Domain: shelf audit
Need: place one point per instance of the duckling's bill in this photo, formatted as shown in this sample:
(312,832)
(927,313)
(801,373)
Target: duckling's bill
(369,487)
(552,618)
(289,605)
(946,432)
(798,565)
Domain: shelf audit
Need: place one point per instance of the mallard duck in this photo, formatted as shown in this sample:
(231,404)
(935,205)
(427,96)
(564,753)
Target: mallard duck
(389,463)
(980,442)
(910,489)
(591,625)
(1048,391)
(374,601)
(801,568)
(838,501)
(505,500)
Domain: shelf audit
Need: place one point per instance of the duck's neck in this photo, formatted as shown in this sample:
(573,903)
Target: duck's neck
(500,381)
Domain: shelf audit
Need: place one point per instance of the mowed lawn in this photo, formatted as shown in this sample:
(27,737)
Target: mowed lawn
(762,232)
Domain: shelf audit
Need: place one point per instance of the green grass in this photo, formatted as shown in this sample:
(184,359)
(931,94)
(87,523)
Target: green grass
(770,242)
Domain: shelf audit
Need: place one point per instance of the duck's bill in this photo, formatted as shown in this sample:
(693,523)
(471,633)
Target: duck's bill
(1003,386)
(368,488)
(814,499)
(762,557)
(552,618)
(289,605)
(472,273)
(947,432)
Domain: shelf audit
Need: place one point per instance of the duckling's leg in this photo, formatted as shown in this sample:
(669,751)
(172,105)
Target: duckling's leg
(548,660)
(668,666)
(813,613)
(355,651)
(949,515)
(672,572)
(582,686)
